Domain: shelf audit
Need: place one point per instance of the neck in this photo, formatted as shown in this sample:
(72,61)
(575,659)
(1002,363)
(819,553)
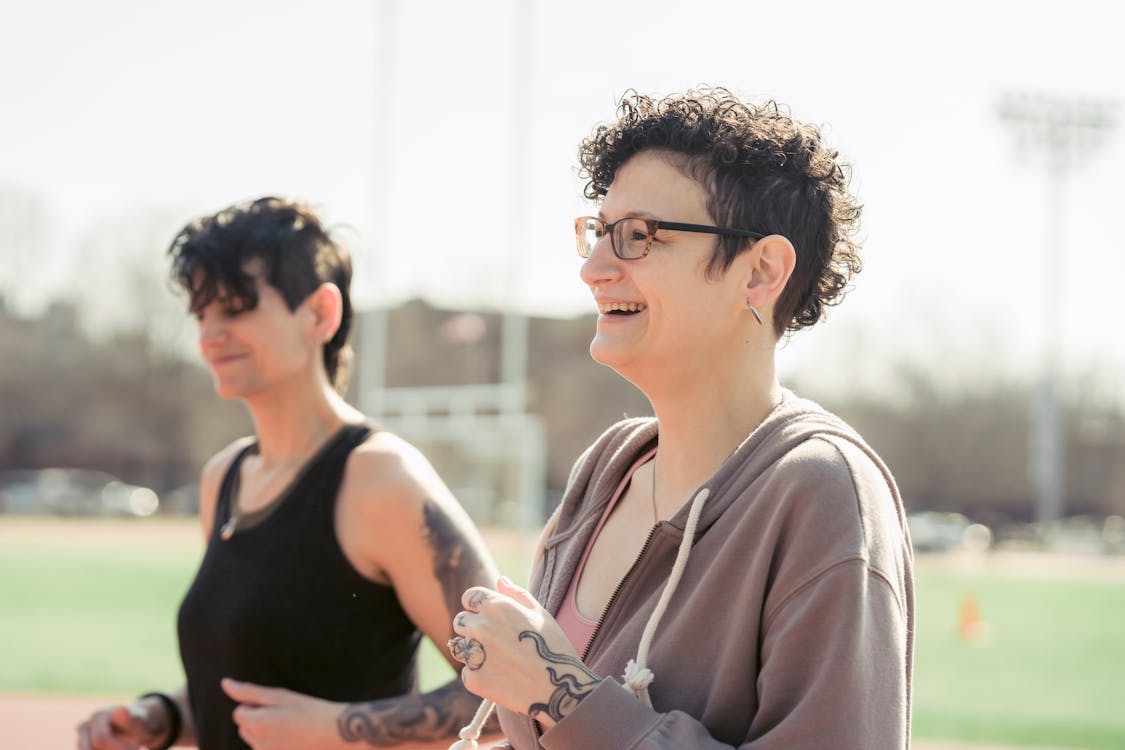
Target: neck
(292,422)
(703,420)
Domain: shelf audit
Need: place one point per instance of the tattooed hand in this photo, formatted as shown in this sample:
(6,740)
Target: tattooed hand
(517,655)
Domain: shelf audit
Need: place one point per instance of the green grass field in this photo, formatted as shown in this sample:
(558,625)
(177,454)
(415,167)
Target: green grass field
(86,609)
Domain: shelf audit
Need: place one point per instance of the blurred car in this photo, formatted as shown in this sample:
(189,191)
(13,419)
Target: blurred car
(73,492)
(931,531)
(181,501)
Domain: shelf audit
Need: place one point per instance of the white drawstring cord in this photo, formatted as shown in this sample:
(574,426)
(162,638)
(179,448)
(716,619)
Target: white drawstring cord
(637,674)
(472,731)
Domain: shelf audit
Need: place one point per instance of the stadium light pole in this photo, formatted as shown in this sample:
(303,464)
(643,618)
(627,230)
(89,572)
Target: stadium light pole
(514,327)
(373,327)
(1061,133)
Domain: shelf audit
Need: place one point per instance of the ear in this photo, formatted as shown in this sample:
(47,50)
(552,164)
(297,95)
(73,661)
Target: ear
(769,264)
(327,306)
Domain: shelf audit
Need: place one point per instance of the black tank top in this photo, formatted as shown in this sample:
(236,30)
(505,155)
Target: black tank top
(278,604)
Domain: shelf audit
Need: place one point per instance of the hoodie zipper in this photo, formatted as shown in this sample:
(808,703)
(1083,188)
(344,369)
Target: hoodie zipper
(617,591)
(597,628)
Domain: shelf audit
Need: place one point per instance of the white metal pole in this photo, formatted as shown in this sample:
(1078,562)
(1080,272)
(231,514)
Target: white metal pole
(1047,429)
(373,330)
(513,351)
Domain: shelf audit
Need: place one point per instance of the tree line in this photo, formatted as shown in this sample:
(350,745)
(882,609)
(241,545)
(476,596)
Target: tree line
(148,414)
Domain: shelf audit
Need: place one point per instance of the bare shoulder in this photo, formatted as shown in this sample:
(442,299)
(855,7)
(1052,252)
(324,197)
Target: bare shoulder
(385,469)
(391,487)
(396,513)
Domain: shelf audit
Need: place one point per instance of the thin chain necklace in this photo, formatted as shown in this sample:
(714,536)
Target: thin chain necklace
(290,472)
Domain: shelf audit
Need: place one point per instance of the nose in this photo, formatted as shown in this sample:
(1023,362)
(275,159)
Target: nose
(212,332)
(603,266)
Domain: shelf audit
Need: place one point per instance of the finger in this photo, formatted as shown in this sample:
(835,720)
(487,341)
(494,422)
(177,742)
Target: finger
(468,651)
(257,726)
(102,737)
(102,732)
(243,715)
(249,693)
(505,586)
(462,621)
(121,721)
(248,735)
(473,598)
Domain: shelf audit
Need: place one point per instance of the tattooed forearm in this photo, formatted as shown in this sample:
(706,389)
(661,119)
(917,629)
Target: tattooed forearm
(458,563)
(570,689)
(411,718)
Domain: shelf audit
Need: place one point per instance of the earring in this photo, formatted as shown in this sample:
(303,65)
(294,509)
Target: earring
(752,309)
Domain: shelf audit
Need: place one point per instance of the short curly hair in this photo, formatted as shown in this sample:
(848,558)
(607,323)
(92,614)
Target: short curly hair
(297,253)
(760,169)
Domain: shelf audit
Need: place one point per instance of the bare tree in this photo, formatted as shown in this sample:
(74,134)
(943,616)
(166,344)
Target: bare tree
(25,248)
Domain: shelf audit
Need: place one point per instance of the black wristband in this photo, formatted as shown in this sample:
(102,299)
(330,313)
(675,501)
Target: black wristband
(175,720)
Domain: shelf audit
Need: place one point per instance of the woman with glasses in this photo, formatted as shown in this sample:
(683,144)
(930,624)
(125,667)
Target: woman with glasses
(737,571)
(332,545)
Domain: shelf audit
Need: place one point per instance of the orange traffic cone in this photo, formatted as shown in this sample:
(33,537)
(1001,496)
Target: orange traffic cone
(969,623)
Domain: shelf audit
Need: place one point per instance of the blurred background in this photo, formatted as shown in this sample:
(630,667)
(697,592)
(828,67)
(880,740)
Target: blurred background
(980,351)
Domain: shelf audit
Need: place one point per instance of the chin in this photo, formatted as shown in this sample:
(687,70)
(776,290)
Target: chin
(227,390)
(226,393)
(610,355)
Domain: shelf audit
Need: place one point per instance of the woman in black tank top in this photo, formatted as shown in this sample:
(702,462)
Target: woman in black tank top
(332,546)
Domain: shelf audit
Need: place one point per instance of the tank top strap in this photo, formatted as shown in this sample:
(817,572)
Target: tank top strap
(228,489)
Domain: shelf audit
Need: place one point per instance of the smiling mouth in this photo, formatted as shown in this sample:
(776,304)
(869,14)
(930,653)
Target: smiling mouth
(622,308)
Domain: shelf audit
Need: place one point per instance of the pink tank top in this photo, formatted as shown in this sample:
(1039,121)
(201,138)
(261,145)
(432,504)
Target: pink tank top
(579,628)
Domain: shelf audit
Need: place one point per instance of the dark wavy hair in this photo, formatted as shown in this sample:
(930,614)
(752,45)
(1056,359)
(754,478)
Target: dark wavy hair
(760,169)
(210,256)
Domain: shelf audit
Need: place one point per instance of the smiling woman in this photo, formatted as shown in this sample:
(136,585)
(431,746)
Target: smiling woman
(744,528)
(332,545)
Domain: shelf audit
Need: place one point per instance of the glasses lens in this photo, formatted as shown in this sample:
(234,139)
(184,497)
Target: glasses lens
(632,239)
(588,231)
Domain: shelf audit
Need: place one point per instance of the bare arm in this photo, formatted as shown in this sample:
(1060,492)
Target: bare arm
(428,549)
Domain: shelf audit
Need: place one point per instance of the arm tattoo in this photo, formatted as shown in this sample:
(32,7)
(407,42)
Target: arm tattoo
(570,689)
(411,718)
(458,564)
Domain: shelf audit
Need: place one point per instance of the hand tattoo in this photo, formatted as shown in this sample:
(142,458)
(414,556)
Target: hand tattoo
(477,598)
(570,689)
(468,651)
(459,620)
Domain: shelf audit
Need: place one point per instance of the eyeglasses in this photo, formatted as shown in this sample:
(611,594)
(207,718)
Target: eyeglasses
(631,237)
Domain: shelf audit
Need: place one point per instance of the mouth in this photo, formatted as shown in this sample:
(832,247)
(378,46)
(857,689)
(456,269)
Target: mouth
(621,308)
(224,360)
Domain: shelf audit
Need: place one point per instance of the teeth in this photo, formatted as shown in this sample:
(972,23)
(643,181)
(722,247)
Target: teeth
(621,307)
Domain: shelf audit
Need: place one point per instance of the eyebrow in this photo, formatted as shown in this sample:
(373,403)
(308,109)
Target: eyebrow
(633,215)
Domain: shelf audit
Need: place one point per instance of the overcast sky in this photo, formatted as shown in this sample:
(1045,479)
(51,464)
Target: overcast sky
(140,108)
